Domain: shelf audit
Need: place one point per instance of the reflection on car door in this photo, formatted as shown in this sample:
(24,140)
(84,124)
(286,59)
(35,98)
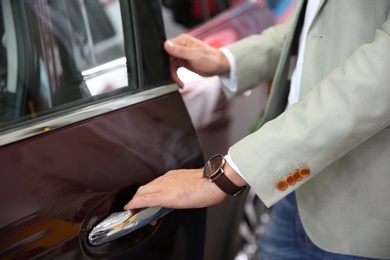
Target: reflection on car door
(70,158)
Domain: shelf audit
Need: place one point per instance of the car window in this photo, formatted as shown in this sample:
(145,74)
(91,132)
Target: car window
(57,55)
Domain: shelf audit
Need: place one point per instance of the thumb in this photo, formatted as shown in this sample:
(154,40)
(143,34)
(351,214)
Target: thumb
(178,51)
(169,47)
(140,202)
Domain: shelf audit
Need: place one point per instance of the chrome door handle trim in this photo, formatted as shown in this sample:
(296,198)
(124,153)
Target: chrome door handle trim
(121,223)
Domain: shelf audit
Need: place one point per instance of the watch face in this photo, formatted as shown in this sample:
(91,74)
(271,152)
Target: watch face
(213,165)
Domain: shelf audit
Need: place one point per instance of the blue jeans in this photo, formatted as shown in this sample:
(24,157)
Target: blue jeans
(286,239)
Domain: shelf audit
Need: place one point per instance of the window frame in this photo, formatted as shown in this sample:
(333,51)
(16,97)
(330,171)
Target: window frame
(139,89)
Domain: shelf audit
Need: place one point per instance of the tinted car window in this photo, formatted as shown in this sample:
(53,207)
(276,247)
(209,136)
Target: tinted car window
(56,55)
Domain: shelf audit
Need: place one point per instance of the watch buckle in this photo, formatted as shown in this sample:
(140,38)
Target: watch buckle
(238,193)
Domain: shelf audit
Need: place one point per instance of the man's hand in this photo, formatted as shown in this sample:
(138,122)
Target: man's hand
(195,55)
(178,189)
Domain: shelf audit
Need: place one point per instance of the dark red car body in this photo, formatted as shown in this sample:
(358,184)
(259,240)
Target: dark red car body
(65,166)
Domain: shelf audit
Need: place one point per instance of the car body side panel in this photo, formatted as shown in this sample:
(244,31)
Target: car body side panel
(58,177)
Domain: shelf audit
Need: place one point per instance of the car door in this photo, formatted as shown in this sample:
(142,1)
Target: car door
(88,113)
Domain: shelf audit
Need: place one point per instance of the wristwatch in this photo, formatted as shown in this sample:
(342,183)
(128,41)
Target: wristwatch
(213,170)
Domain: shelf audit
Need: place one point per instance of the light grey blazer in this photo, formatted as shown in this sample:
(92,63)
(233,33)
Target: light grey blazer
(340,128)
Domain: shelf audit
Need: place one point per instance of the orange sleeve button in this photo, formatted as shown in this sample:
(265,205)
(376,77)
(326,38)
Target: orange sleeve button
(304,171)
(281,185)
(296,176)
(290,180)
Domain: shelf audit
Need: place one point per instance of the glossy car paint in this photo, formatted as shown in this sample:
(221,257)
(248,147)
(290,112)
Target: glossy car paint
(65,170)
(80,173)
(246,18)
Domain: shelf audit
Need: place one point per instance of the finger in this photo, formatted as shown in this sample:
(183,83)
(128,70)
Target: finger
(173,64)
(183,50)
(173,70)
(153,223)
(141,201)
(186,40)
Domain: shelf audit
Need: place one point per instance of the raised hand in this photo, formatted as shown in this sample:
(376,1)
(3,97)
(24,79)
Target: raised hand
(195,55)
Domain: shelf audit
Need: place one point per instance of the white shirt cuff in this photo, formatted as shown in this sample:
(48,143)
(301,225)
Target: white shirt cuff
(229,160)
(229,80)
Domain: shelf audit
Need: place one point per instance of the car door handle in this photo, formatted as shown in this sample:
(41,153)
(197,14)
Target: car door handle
(121,223)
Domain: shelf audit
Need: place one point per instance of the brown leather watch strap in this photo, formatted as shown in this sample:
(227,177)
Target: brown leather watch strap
(227,186)
(213,170)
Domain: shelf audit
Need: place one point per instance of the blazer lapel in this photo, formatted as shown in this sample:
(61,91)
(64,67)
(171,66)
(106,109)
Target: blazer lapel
(281,86)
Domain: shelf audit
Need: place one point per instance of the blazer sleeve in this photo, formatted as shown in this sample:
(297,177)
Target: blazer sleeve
(261,63)
(347,107)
